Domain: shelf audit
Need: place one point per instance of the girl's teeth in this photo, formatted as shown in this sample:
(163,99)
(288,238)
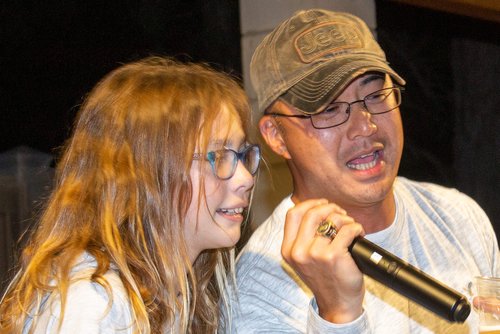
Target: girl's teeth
(232,211)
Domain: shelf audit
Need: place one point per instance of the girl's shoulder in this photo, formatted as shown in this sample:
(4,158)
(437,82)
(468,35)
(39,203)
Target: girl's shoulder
(91,305)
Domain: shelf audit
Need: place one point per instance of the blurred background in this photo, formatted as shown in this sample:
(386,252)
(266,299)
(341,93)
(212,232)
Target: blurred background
(52,53)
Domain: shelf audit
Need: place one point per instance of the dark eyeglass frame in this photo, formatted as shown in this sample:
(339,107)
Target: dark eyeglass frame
(396,89)
(236,156)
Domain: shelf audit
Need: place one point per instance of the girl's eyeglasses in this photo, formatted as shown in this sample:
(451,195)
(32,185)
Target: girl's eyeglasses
(224,162)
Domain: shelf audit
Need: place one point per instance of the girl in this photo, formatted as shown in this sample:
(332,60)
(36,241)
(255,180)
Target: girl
(151,192)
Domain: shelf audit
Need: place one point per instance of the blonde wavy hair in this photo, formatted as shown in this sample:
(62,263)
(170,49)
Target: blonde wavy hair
(122,191)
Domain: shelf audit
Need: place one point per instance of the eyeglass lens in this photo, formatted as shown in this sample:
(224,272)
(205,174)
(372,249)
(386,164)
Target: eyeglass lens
(224,162)
(378,102)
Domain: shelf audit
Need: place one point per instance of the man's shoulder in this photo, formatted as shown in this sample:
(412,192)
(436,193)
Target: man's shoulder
(441,200)
(430,191)
(264,241)
(263,248)
(268,233)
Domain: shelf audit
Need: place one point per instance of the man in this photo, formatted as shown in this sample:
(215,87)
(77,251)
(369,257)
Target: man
(330,106)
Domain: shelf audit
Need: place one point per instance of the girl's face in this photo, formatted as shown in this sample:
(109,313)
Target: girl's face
(214,220)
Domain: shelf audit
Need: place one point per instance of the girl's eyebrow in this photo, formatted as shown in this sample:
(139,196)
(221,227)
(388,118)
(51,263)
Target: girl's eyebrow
(228,142)
(222,144)
(218,142)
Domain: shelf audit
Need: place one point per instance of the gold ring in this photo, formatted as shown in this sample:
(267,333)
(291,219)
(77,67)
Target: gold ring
(327,229)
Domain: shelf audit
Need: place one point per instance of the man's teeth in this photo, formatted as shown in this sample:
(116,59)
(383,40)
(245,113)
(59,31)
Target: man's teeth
(366,165)
(232,211)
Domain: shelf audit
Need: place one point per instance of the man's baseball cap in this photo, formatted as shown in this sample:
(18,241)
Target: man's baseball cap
(309,59)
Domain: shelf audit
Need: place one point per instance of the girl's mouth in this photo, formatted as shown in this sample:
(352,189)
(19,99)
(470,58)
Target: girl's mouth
(231,212)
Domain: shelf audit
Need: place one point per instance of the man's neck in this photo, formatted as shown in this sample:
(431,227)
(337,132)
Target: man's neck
(374,217)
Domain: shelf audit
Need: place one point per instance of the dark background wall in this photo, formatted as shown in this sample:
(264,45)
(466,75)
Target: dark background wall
(452,101)
(53,52)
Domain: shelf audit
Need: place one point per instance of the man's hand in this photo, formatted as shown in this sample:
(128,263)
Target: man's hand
(325,265)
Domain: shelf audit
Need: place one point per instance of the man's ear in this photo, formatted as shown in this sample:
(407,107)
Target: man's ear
(273,136)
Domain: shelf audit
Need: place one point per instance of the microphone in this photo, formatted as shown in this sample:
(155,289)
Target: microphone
(409,281)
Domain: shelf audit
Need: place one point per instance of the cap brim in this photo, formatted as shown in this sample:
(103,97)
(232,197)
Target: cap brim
(312,93)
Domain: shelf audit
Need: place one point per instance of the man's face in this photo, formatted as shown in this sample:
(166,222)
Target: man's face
(353,164)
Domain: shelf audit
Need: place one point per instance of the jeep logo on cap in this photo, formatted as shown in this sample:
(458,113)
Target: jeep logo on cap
(329,38)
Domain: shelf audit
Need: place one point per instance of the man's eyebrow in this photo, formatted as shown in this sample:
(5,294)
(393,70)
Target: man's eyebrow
(372,77)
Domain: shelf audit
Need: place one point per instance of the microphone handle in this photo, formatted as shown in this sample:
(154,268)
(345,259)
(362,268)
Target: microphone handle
(409,281)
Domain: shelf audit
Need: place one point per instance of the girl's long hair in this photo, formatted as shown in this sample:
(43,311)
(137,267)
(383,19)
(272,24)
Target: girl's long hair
(122,191)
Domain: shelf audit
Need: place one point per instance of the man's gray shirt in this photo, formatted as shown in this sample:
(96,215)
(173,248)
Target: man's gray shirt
(439,230)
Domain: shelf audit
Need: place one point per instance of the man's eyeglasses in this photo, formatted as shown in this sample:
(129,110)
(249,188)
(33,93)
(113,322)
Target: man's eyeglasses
(337,113)
(224,162)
